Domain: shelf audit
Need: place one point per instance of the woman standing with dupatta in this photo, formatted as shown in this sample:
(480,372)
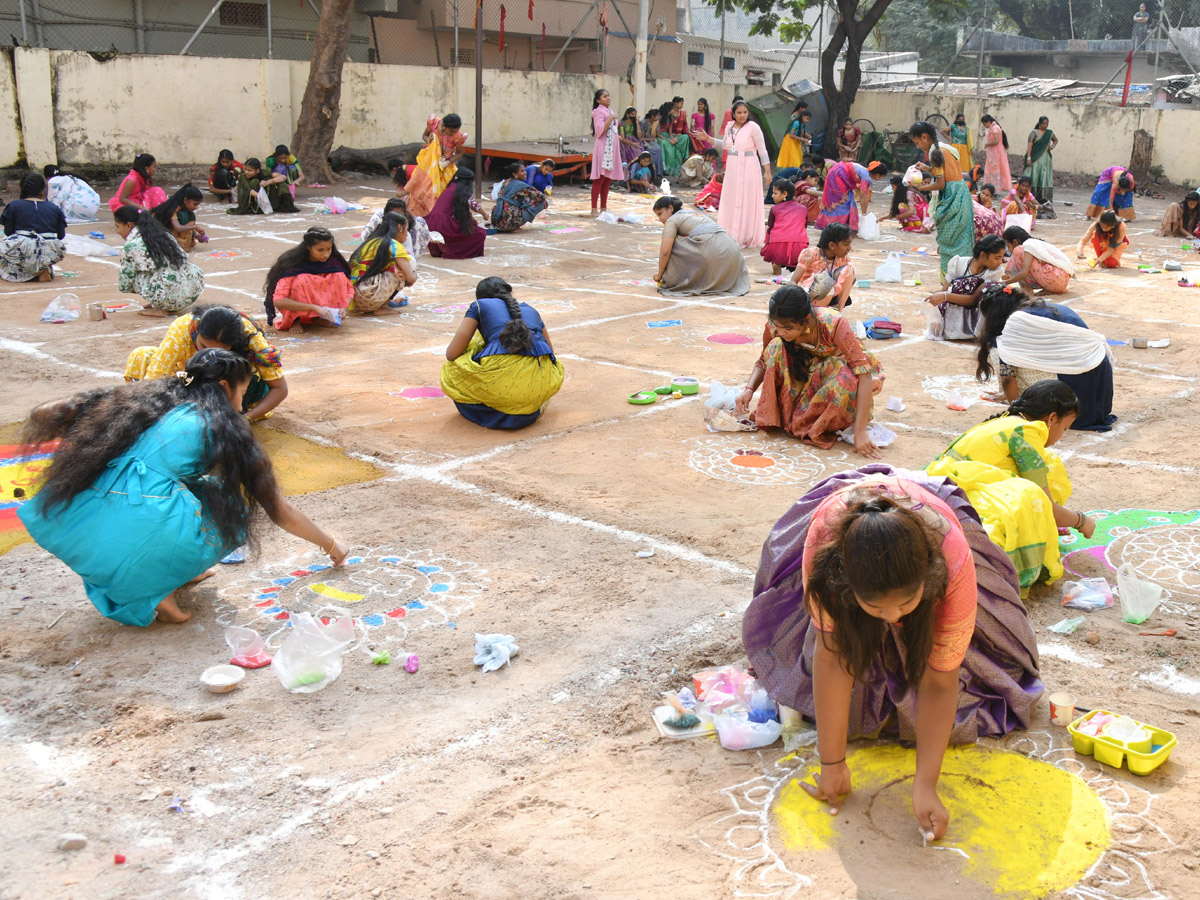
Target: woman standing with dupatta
(1039,163)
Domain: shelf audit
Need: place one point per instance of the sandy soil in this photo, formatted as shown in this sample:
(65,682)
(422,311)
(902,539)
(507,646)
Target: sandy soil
(547,778)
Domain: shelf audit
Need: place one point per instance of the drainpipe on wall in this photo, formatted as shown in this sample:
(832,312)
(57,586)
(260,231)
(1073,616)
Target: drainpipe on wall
(37,24)
(139,26)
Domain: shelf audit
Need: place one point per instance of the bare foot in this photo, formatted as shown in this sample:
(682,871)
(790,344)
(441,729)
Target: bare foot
(151,311)
(206,574)
(168,611)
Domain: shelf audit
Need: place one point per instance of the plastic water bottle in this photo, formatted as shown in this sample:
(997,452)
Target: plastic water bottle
(665,187)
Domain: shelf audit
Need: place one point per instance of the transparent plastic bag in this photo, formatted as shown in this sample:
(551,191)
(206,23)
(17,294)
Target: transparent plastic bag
(494,650)
(719,411)
(868,227)
(248,648)
(607,217)
(336,205)
(1138,598)
(77,245)
(632,219)
(934,323)
(890,270)
(63,308)
(311,656)
(1087,594)
(736,733)
(913,176)
(721,397)
(264,202)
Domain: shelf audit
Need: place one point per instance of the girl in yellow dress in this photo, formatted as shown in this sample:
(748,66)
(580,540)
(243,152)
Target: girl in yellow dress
(436,163)
(1015,483)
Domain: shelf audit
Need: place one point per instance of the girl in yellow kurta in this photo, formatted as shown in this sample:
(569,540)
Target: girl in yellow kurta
(436,163)
(224,328)
(1015,484)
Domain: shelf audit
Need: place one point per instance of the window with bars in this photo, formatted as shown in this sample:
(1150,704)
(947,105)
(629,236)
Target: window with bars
(695,58)
(245,15)
(728,64)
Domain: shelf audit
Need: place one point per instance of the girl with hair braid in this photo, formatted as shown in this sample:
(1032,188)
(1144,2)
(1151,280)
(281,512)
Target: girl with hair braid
(224,328)
(309,284)
(500,368)
(178,216)
(881,608)
(381,268)
(154,266)
(155,482)
(1015,483)
(453,217)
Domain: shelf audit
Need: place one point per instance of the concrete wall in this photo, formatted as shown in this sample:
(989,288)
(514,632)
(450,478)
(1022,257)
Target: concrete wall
(69,109)
(1090,138)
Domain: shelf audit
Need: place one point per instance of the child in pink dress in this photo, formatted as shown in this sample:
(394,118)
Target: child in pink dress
(787,228)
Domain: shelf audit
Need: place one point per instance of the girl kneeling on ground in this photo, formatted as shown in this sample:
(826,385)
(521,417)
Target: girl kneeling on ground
(154,266)
(380,268)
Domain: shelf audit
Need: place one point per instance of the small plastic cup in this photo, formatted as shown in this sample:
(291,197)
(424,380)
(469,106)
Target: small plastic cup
(1062,708)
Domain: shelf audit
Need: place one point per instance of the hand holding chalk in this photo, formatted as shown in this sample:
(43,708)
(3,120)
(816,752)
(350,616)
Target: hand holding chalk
(932,817)
(832,783)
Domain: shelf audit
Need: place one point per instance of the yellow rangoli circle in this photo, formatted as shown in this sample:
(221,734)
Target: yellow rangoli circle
(1023,827)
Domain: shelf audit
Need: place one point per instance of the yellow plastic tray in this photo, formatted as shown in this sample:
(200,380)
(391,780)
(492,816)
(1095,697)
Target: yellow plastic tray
(1143,756)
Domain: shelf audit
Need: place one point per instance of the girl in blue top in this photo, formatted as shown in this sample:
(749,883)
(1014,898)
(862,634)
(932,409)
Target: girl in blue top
(153,483)
(500,368)
(540,175)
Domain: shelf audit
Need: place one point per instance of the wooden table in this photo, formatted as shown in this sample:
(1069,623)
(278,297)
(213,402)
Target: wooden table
(576,156)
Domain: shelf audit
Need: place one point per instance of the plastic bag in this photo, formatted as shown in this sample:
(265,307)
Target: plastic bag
(1088,594)
(77,245)
(63,308)
(868,227)
(1066,626)
(632,218)
(762,707)
(721,397)
(719,411)
(311,656)
(737,733)
(264,202)
(889,271)
(913,176)
(336,205)
(607,217)
(1138,598)
(249,649)
(1023,220)
(494,650)
(934,323)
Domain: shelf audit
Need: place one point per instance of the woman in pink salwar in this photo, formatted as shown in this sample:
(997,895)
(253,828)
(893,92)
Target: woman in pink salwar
(996,168)
(741,213)
(606,155)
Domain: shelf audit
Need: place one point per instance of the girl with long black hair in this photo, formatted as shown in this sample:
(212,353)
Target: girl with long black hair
(500,368)
(223,176)
(453,216)
(178,216)
(154,266)
(380,267)
(137,188)
(221,328)
(309,284)
(153,483)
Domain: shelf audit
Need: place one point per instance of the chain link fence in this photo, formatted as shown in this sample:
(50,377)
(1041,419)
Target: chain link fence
(279,29)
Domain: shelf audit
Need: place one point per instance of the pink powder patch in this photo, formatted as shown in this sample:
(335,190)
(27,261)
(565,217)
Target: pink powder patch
(419,393)
(730,339)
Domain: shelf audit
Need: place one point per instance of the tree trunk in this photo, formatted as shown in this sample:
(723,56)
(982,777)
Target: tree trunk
(852,33)
(321,106)
(373,160)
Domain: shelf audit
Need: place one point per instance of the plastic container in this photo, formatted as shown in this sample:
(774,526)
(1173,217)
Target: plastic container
(1143,757)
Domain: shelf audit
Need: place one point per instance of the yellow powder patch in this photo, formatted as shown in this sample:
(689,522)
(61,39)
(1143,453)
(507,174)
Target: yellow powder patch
(1028,828)
(333,593)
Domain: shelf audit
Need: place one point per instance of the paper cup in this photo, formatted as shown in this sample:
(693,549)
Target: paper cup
(1062,708)
(96,312)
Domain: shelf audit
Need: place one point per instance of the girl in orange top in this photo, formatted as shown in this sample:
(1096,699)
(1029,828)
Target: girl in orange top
(309,284)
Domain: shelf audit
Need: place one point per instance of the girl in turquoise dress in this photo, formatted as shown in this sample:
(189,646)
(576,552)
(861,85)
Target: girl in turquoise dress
(153,483)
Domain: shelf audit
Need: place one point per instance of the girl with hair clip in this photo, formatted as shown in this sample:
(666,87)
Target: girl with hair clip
(75,197)
(500,368)
(882,610)
(816,377)
(223,328)
(825,271)
(1008,474)
(178,216)
(453,217)
(309,284)
(34,229)
(137,188)
(1032,340)
(154,266)
(223,177)
(380,267)
(153,483)
(955,313)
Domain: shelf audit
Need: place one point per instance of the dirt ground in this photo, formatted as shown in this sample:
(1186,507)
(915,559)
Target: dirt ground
(547,779)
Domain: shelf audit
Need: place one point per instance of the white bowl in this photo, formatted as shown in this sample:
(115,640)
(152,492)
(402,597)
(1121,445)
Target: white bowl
(222,679)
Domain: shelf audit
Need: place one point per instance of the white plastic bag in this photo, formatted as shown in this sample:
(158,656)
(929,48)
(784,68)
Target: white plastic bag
(607,218)
(264,202)
(1087,594)
(719,411)
(494,650)
(632,218)
(63,308)
(721,397)
(248,648)
(889,270)
(1138,598)
(77,245)
(311,656)
(496,190)
(868,227)
(934,323)
(1022,220)
(737,733)
(336,205)
(913,176)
